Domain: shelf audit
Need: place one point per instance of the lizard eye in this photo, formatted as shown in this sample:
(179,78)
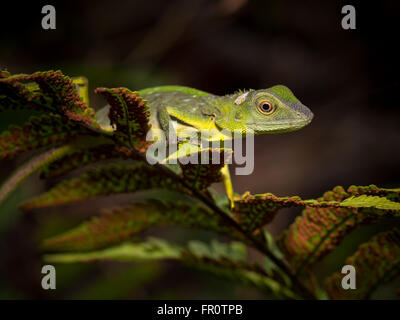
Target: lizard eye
(266,107)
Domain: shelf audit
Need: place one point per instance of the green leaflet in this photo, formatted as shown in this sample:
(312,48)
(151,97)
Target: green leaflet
(56,93)
(38,132)
(269,267)
(215,250)
(118,224)
(129,115)
(373,190)
(365,201)
(255,211)
(155,248)
(152,249)
(321,228)
(219,258)
(104,181)
(376,262)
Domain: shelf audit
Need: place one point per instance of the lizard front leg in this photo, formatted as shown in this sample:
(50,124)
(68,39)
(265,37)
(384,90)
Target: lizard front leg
(164,120)
(226,178)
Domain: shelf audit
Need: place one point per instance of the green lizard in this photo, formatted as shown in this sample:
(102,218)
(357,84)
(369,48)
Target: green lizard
(267,111)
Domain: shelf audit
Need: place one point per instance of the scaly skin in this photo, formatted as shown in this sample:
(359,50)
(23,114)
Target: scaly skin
(238,111)
(266,111)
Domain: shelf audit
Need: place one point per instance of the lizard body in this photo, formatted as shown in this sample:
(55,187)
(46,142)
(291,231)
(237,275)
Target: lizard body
(269,111)
(266,111)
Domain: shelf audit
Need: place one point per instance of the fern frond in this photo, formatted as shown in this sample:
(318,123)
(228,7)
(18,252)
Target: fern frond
(14,95)
(376,262)
(226,260)
(56,94)
(80,157)
(129,115)
(152,249)
(320,229)
(391,194)
(104,181)
(255,211)
(118,224)
(38,132)
(365,201)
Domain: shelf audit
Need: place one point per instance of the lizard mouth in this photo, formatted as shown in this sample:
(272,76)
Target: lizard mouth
(296,123)
(279,126)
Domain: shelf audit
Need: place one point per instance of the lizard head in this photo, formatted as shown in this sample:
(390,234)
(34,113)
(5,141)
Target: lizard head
(267,111)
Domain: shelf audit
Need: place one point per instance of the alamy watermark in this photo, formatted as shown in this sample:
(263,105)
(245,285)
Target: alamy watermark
(349,20)
(49,20)
(165,149)
(49,280)
(349,280)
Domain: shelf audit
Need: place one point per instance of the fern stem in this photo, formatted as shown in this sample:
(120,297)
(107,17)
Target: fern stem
(257,244)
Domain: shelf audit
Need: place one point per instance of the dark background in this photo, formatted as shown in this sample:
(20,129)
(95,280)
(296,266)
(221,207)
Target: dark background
(348,78)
